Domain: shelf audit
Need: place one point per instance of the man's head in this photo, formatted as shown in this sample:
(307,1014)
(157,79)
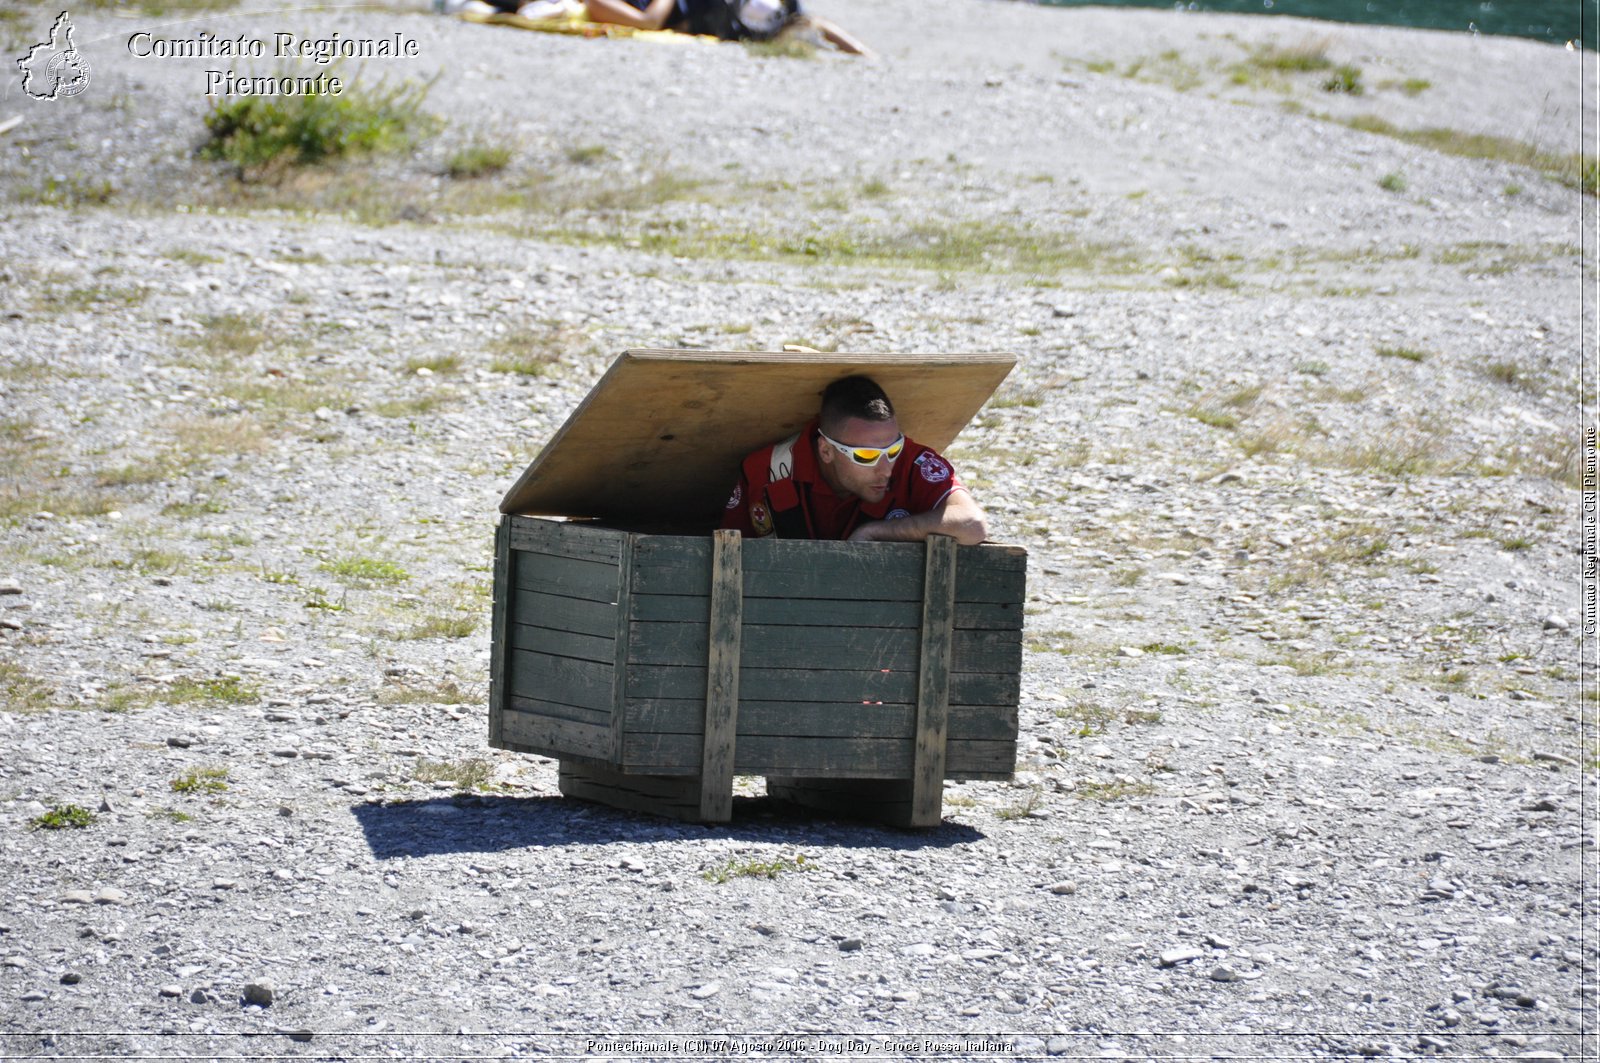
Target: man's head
(857,417)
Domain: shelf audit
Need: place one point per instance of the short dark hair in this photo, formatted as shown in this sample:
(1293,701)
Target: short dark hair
(854,396)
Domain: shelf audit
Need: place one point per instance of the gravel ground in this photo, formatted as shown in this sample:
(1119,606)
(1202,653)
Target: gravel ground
(1306,766)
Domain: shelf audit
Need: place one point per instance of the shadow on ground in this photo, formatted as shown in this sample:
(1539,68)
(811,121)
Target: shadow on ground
(489,823)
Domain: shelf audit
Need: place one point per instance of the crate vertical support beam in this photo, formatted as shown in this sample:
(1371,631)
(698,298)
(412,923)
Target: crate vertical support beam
(722,676)
(619,675)
(499,622)
(933,684)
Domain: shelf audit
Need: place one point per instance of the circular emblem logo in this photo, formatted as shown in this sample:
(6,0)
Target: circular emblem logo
(68,72)
(761,519)
(896,514)
(934,470)
(738,496)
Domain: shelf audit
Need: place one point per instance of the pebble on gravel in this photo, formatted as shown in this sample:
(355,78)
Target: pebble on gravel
(260,992)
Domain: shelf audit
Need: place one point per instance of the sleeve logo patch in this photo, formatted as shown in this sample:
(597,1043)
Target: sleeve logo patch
(934,469)
(761,519)
(738,496)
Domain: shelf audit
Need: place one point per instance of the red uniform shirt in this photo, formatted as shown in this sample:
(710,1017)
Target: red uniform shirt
(801,504)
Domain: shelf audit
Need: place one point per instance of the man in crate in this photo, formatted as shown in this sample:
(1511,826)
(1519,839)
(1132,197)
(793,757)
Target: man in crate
(851,474)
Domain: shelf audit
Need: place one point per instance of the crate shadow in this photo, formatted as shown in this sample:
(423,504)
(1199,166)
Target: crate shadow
(492,823)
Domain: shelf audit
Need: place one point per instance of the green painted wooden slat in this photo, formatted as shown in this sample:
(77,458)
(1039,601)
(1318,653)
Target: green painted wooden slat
(775,684)
(560,679)
(821,719)
(553,710)
(619,662)
(553,738)
(566,614)
(825,719)
(822,648)
(986,651)
(594,581)
(991,574)
(933,685)
(500,613)
(567,538)
(827,612)
(799,684)
(722,678)
(825,648)
(789,569)
(564,643)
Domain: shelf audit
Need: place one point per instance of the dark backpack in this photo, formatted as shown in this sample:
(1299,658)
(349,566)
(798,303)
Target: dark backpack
(739,20)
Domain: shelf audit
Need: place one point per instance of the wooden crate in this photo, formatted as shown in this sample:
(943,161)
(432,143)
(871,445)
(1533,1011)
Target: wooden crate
(855,676)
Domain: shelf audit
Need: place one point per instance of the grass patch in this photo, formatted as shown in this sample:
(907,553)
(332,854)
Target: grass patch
(438,363)
(189,257)
(1401,453)
(478,160)
(22,692)
(1578,171)
(74,191)
(201,781)
(1408,354)
(230,690)
(536,351)
(317,598)
(939,246)
(1345,79)
(62,817)
(587,154)
(263,135)
(1303,58)
(364,571)
(1089,718)
(1024,808)
(733,869)
(230,336)
(1029,397)
(448,692)
(441,626)
(782,48)
(467,774)
(415,406)
(1394,181)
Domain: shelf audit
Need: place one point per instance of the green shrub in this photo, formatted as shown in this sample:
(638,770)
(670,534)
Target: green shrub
(258,133)
(1393,182)
(1345,79)
(201,781)
(62,817)
(478,160)
(360,571)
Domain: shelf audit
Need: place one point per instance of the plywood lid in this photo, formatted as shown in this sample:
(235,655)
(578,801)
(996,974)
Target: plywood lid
(659,438)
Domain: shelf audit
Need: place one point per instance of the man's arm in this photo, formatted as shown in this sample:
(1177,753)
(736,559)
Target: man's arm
(653,17)
(958,516)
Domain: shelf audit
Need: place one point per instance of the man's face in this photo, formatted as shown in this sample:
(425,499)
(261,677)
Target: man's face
(866,482)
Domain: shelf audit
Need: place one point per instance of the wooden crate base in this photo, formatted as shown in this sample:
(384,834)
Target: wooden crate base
(886,801)
(673,796)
